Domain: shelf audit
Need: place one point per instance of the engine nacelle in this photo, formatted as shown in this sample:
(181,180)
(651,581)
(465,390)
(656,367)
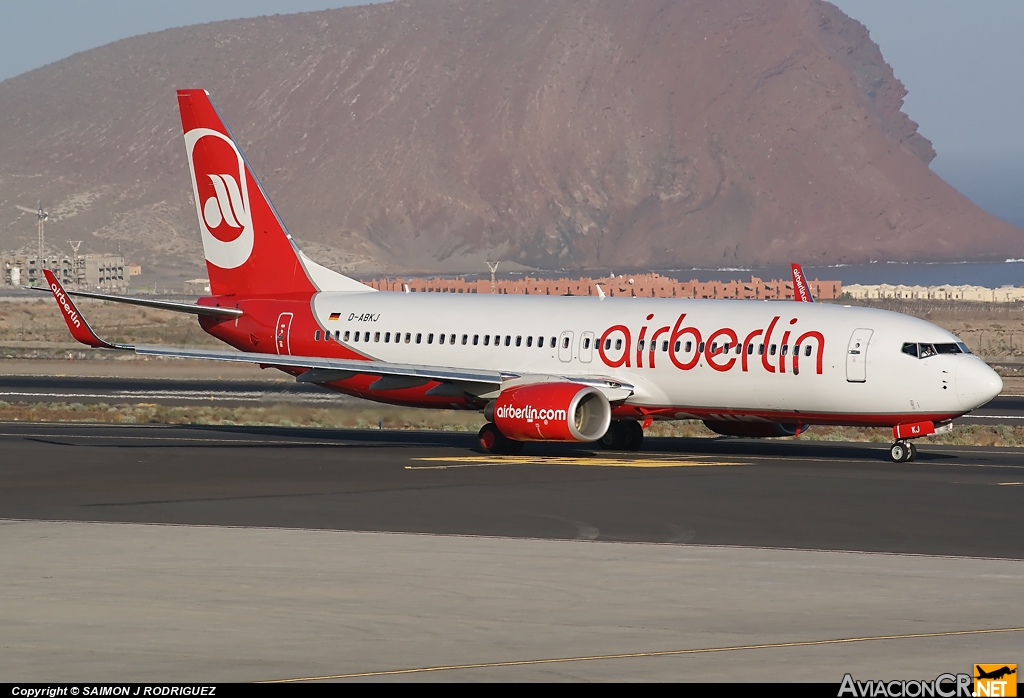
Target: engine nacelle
(756,430)
(551,412)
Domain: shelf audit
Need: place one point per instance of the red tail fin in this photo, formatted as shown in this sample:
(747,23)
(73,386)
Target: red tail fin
(248,250)
(801,291)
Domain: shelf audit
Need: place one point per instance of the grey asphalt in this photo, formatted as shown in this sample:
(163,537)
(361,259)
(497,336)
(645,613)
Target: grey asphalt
(812,495)
(158,553)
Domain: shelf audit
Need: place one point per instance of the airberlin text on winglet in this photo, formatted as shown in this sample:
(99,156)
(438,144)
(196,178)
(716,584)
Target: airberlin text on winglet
(65,305)
(715,350)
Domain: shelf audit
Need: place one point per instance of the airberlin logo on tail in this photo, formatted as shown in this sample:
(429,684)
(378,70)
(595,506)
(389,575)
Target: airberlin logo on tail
(226,206)
(222,197)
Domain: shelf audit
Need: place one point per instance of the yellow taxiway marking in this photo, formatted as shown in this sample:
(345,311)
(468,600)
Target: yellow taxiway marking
(664,653)
(596,461)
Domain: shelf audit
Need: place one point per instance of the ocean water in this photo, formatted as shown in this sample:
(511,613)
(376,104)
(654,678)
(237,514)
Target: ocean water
(990,274)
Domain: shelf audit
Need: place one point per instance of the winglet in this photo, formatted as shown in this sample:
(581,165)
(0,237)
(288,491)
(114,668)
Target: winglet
(80,329)
(801,291)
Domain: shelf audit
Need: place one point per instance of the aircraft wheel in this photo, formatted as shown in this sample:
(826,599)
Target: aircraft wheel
(913,452)
(623,435)
(634,435)
(900,452)
(610,440)
(493,441)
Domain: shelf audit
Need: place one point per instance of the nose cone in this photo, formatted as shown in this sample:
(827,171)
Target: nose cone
(976,383)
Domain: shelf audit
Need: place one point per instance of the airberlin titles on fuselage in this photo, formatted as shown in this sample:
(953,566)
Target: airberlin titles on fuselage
(722,350)
(685,346)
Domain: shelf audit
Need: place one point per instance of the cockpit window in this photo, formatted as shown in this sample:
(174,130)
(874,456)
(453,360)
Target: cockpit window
(923,351)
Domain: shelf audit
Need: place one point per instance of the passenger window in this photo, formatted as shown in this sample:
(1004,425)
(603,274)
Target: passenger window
(607,344)
(664,345)
(356,336)
(565,343)
(618,344)
(640,345)
(451,340)
(553,342)
(316,337)
(700,348)
(487,340)
(366,337)
(387,337)
(725,348)
(714,347)
(508,340)
(785,349)
(465,339)
(586,343)
(540,342)
(337,335)
(419,337)
(529,341)
(376,336)
(408,337)
(750,350)
(430,338)
(519,341)
(476,339)
(771,350)
(739,349)
(760,350)
(346,335)
(807,350)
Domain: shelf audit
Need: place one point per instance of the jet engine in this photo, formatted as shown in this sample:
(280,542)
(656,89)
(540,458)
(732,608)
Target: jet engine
(757,430)
(551,412)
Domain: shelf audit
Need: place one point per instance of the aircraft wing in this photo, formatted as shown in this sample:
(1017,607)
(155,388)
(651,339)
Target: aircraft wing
(321,369)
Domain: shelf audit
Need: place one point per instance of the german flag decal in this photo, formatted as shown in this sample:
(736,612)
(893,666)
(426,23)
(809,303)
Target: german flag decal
(335,316)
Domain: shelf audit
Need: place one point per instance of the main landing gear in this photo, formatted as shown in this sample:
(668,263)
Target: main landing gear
(623,435)
(903,452)
(493,441)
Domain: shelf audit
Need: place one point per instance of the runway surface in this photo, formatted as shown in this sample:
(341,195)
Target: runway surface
(160,553)
(829,496)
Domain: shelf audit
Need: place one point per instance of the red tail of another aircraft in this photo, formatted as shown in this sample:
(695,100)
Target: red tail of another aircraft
(801,291)
(249,252)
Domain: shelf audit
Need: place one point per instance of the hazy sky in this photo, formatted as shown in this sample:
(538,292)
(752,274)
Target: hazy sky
(961,61)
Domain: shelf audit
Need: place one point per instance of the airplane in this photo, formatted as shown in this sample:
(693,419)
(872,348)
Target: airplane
(996,674)
(547,368)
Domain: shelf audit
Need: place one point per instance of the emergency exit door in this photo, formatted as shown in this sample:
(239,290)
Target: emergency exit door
(857,356)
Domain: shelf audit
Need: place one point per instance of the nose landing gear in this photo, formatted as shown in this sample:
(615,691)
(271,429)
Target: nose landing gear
(903,452)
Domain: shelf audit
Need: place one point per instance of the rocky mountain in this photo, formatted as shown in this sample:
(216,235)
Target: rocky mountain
(428,135)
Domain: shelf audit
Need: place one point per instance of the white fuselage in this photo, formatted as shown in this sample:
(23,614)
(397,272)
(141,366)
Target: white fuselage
(711,358)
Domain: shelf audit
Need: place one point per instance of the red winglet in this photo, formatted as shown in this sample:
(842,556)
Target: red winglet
(801,292)
(80,329)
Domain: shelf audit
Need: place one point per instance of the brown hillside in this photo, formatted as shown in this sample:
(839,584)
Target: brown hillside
(430,134)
